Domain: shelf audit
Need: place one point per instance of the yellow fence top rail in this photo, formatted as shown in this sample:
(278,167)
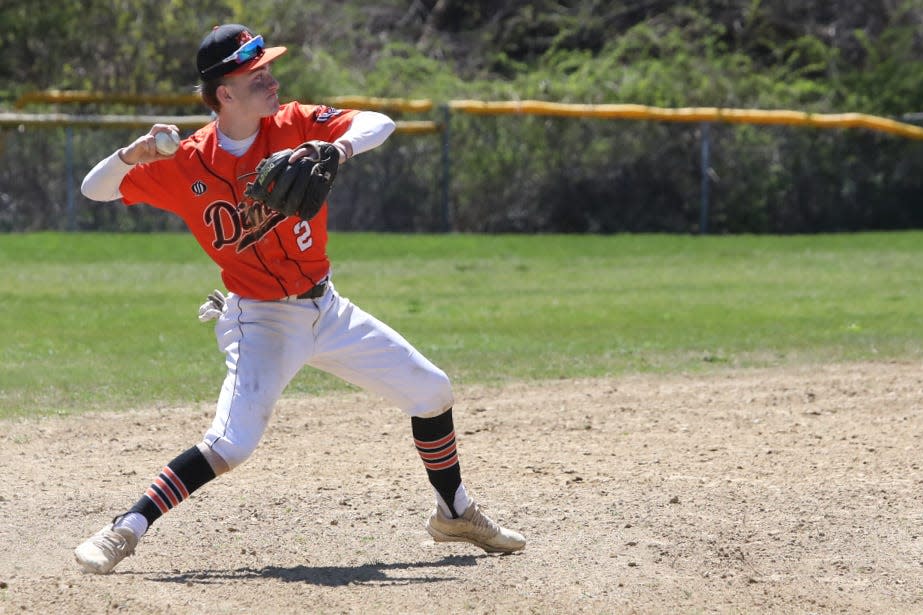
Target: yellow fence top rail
(690,114)
(477,107)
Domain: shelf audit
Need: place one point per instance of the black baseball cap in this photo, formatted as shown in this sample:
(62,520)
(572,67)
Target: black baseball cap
(232,49)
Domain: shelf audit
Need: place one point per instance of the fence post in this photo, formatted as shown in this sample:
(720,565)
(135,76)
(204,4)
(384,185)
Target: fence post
(705,164)
(69,170)
(446,170)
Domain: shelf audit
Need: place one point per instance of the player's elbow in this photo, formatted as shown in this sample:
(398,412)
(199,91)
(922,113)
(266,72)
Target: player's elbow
(86,189)
(388,126)
(95,192)
(373,127)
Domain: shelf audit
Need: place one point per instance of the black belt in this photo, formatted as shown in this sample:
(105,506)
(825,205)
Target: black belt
(314,293)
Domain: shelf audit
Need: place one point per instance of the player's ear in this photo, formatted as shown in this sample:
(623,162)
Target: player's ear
(223,94)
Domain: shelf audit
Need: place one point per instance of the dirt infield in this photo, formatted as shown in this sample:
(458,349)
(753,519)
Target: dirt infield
(780,491)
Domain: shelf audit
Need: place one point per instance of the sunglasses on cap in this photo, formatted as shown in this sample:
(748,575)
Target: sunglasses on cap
(246,52)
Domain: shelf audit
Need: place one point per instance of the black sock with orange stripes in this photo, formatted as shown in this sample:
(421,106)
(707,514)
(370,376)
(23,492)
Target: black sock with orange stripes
(178,479)
(435,441)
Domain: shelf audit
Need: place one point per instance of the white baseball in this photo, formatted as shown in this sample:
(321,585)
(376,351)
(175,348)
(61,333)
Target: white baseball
(167,142)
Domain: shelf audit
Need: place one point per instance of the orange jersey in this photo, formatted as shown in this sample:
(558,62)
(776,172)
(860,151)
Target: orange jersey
(262,254)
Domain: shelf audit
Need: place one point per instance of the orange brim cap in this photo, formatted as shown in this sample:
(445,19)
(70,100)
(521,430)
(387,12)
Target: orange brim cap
(269,54)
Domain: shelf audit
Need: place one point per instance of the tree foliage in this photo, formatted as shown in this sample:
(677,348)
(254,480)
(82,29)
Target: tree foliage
(516,173)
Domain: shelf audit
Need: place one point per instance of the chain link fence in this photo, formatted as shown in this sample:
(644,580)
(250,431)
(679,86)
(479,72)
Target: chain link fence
(524,173)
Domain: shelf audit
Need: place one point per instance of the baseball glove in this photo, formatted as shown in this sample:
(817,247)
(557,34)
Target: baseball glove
(298,189)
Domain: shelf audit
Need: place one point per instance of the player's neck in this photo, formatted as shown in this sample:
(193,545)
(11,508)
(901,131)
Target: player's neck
(238,128)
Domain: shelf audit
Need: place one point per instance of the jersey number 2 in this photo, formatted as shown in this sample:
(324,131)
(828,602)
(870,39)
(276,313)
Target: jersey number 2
(303,231)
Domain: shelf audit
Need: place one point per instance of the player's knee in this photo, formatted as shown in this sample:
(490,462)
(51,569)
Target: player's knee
(235,454)
(232,451)
(217,463)
(434,398)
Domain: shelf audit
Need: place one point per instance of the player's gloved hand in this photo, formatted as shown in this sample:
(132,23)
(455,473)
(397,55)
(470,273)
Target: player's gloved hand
(298,188)
(213,307)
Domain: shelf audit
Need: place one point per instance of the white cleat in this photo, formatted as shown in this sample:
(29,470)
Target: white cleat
(103,550)
(474,527)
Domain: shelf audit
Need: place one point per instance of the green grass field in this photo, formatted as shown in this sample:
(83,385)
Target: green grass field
(99,321)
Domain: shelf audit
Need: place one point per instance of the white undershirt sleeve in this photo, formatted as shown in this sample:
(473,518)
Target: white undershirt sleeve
(103,181)
(368,130)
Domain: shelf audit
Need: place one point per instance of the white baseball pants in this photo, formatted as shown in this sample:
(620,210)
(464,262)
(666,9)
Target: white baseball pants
(267,342)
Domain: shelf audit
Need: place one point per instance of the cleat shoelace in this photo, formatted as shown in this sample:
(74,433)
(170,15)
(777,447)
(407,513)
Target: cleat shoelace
(484,523)
(113,544)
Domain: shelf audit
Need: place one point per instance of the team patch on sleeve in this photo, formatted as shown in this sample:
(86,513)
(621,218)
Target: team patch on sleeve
(324,113)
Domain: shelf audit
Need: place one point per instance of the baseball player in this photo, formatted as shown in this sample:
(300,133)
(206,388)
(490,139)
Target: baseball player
(282,310)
